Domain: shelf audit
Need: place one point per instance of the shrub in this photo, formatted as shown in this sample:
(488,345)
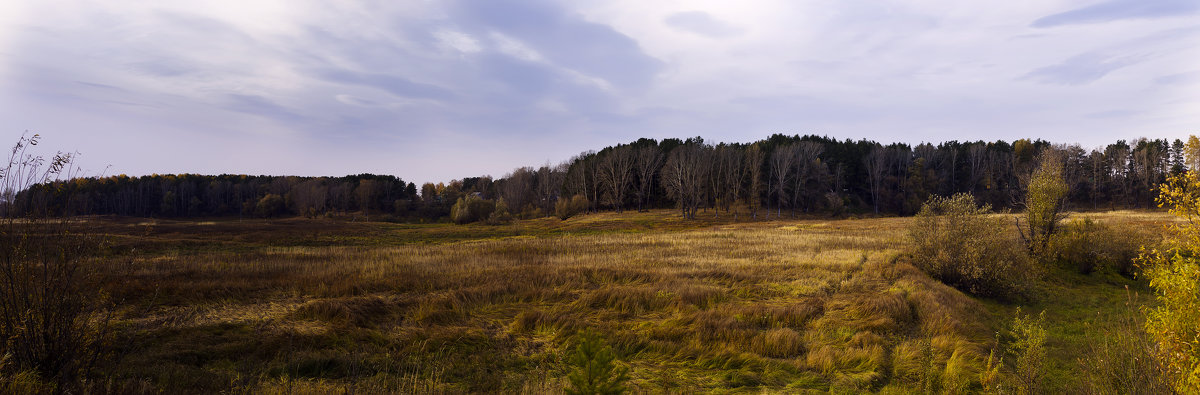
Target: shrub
(1029,352)
(1174,273)
(958,243)
(594,371)
(270,205)
(53,320)
(500,215)
(567,208)
(1090,246)
(471,208)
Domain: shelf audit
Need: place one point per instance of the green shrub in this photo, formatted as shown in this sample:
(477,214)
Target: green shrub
(567,208)
(500,215)
(471,208)
(1025,345)
(271,205)
(1089,246)
(1029,352)
(960,244)
(594,371)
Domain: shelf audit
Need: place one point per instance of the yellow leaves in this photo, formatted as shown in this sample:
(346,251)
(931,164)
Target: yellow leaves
(1174,273)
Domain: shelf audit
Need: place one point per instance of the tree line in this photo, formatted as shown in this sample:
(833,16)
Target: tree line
(780,176)
(193,195)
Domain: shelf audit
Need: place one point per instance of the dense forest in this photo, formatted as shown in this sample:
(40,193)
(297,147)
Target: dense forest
(781,176)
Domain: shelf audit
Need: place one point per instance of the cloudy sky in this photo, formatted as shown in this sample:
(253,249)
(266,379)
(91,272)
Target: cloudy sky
(434,90)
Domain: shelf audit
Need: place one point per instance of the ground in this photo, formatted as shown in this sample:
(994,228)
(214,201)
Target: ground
(710,305)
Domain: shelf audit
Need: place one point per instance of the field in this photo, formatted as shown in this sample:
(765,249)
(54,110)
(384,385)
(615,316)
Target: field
(711,305)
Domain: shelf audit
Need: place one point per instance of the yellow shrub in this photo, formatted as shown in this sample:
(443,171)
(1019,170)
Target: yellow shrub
(1174,273)
(957,242)
(1091,246)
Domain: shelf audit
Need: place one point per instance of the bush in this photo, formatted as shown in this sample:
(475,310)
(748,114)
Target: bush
(1174,273)
(271,205)
(471,208)
(500,215)
(1089,246)
(1029,352)
(567,208)
(53,320)
(958,243)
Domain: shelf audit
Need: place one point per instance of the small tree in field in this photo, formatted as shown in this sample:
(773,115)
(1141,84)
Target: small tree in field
(1174,273)
(1045,201)
(594,371)
(1029,349)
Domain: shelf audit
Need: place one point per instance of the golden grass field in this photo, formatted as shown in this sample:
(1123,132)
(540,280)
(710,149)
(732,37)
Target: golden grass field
(792,306)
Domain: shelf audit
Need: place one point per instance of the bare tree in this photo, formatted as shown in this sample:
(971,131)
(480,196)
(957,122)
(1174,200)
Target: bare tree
(517,189)
(730,171)
(807,163)
(754,161)
(782,162)
(576,181)
(876,163)
(615,172)
(647,161)
(595,183)
(581,179)
(901,158)
(977,158)
(366,193)
(684,176)
(1096,182)
(1117,156)
(549,184)
(310,197)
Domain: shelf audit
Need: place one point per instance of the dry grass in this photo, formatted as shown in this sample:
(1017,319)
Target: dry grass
(297,306)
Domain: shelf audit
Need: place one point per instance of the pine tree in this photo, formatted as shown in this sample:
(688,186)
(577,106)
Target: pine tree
(594,371)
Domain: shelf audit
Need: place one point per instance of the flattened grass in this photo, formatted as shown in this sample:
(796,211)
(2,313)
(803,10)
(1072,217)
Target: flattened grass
(301,306)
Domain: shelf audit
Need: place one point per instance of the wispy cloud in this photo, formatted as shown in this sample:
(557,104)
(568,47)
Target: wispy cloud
(1115,10)
(1082,69)
(565,39)
(393,84)
(701,23)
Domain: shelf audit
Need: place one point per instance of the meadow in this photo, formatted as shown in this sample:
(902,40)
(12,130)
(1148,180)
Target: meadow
(709,305)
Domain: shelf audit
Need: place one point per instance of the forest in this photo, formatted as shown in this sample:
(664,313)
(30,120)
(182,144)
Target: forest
(780,176)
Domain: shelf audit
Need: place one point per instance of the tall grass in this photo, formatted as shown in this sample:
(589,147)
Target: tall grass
(801,306)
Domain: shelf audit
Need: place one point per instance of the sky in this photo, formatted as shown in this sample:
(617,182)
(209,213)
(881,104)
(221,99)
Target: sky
(436,90)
